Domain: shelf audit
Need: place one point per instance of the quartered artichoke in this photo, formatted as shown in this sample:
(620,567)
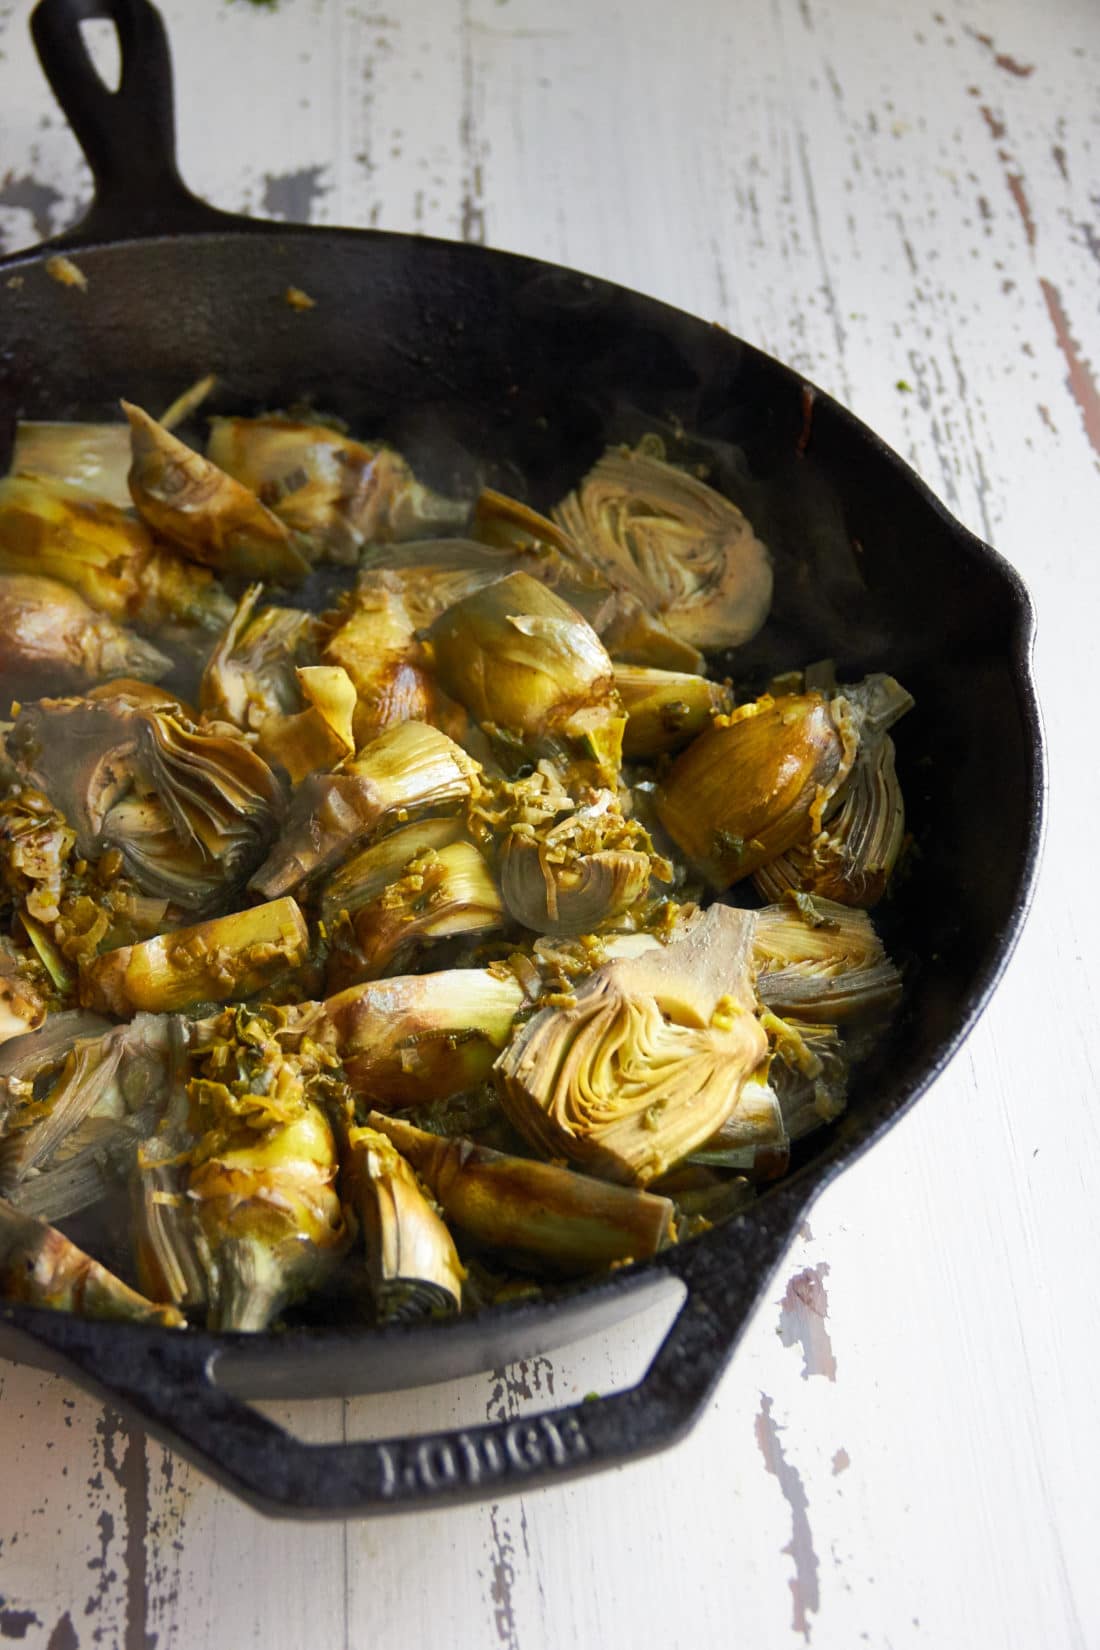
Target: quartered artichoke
(333,491)
(207,515)
(409,770)
(419,767)
(54,640)
(51,529)
(412,1262)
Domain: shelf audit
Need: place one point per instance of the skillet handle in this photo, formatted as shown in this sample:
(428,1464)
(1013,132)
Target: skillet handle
(168,1381)
(128,136)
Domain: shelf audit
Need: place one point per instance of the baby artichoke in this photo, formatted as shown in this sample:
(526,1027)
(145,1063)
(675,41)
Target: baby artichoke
(822,962)
(683,550)
(412,1262)
(54,640)
(438,894)
(250,674)
(209,516)
(336,492)
(367,875)
(51,529)
(219,961)
(531,671)
(546,1215)
(852,856)
(422,1037)
(648,1062)
(375,642)
(410,769)
(665,709)
(755,782)
(40,1266)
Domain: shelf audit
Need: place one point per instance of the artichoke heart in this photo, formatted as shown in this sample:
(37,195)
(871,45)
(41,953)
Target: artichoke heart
(421,1037)
(755,782)
(408,770)
(531,671)
(53,639)
(552,1217)
(822,962)
(412,1262)
(649,1061)
(210,517)
(440,893)
(223,960)
(51,529)
(683,550)
(665,709)
(39,1265)
(335,492)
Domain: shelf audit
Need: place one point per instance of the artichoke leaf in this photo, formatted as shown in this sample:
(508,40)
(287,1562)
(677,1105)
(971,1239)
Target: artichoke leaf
(93,457)
(40,1266)
(554,1218)
(650,1058)
(210,517)
(250,674)
(366,875)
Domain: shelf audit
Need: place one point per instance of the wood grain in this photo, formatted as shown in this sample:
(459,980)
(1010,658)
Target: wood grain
(904,203)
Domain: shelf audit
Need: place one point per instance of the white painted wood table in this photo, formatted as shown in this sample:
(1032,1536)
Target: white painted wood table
(904,204)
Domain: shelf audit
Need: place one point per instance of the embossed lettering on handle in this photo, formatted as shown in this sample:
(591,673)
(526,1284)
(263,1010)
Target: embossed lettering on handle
(471,1459)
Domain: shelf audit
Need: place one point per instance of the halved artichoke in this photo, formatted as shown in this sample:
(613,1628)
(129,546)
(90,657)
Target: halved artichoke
(439,894)
(665,709)
(531,671)
(421,1037)
(756,782)
(683,550)
(852,856)
(363,877)
(408,770)
(39,1265)
(189,810)
(53,639)
(649,1061)
(335,492)
(223,960)
(50,529)
(209,516)
(550,1216)
(412,1262)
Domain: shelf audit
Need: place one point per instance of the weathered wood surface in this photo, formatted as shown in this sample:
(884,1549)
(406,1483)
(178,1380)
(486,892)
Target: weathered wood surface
(905,204)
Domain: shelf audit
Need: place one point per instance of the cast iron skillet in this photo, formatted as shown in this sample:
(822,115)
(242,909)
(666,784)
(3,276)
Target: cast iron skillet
(485,366)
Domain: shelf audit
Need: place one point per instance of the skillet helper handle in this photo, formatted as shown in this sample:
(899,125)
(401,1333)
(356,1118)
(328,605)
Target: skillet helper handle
(169,1383)
(128,135)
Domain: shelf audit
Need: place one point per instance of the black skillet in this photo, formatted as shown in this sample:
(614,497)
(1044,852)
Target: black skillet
(484,366)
